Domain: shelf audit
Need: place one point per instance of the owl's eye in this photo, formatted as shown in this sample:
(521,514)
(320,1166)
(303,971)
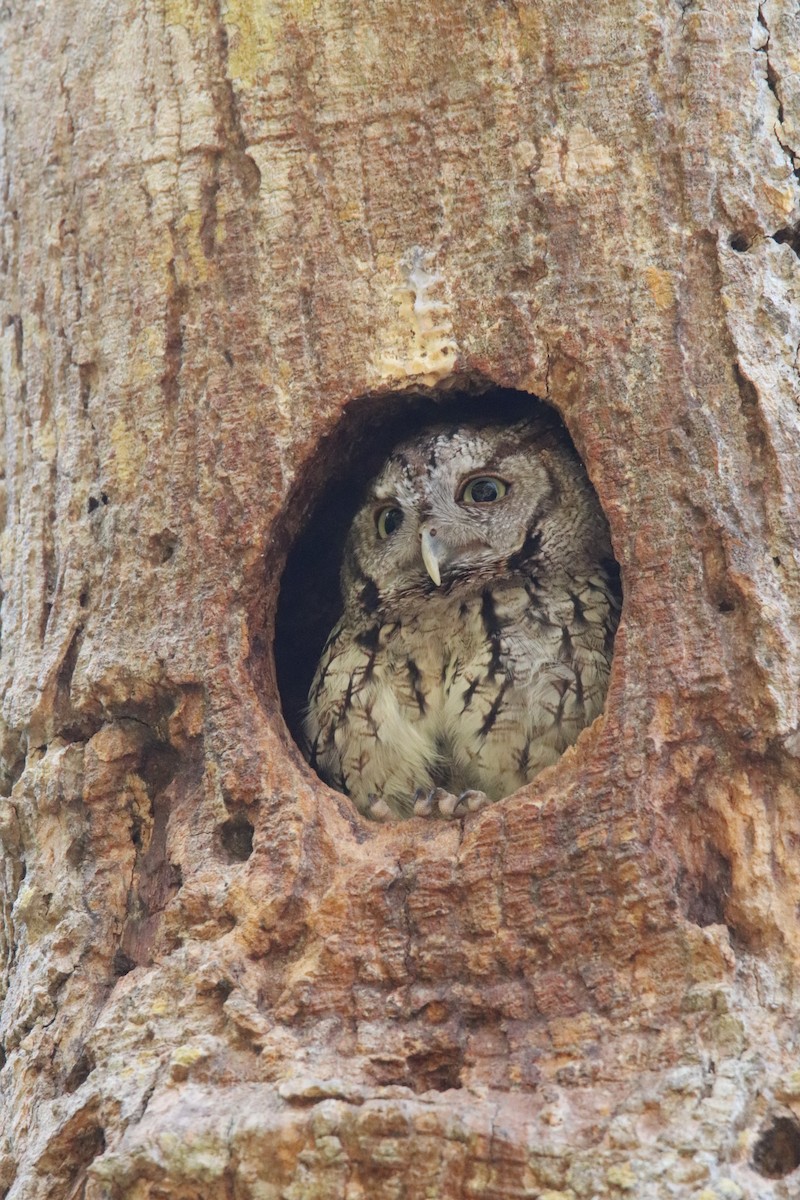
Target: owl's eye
(388,521)
(484,490)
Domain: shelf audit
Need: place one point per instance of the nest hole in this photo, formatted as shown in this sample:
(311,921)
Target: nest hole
(327,498)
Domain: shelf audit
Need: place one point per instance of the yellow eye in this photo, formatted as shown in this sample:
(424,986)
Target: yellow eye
(484,490)
(388,521)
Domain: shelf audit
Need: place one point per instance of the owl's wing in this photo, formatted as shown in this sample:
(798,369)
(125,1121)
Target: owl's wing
(326,708)
(536,679)
(568,690)
(364,725)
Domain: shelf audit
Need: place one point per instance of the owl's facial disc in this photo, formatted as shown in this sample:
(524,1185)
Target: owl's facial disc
(451,511)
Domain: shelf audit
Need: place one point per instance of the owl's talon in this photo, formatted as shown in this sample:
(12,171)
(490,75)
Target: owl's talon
(433,803)
(446,802)
(377,809)
(422,802)
(471,801)
(441,803)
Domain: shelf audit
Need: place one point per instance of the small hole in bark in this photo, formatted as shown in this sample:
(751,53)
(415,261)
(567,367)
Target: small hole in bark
(704,892)
(87,376)
(236,836)
(93,504)
(122,964)
(789,236)
(726,606)
(327,499)
(777,1150)
(435,1070)
(739,242)
(87,1146)
(10,773)
(220,990)
(69,1152)
(82,1069)
(159,766)
(163,546)
(77,850)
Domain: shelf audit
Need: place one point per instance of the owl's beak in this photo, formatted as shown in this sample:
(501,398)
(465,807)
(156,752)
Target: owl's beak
(429,554)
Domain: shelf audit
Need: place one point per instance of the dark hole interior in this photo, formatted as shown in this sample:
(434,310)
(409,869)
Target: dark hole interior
(236,836)
(777,1151)
(789,236)
(80,1072)
(704,891)
(309,603)
(122,963)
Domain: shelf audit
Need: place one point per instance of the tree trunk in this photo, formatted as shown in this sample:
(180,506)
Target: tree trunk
(238,237)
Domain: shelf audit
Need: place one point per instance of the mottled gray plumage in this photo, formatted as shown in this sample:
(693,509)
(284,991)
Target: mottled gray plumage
(476,637)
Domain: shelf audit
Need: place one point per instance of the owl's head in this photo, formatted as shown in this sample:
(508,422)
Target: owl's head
(458,506)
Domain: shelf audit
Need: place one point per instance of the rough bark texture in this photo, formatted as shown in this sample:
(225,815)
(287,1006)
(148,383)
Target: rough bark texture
(222,222)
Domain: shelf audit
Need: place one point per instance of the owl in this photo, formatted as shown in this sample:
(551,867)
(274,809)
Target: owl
(481,599)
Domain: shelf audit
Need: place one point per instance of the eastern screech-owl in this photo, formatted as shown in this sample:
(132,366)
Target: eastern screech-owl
(481,599)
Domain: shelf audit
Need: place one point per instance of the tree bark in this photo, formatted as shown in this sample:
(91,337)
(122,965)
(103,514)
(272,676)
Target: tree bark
(236,235)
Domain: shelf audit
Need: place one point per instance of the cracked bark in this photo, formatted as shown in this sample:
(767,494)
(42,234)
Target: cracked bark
(216,979)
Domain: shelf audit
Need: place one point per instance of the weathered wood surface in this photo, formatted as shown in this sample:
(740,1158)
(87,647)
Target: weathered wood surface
(222,222)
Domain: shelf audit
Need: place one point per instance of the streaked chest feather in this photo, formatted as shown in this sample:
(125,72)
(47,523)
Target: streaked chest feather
(479,691)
